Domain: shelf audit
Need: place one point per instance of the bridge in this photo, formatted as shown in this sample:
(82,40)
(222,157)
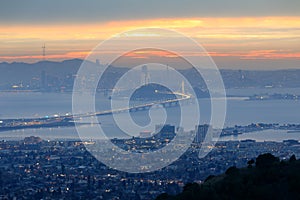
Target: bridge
(147,106)
(68,120)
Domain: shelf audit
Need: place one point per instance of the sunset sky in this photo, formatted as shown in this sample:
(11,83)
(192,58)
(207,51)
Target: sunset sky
(259,34)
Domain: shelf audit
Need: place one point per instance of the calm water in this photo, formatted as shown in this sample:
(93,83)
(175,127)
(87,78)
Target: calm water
(266,135)
(239,111)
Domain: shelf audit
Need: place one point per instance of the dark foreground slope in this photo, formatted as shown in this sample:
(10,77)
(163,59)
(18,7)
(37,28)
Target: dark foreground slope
(266,178)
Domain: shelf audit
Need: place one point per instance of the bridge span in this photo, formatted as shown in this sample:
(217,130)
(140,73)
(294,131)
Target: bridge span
(68,120)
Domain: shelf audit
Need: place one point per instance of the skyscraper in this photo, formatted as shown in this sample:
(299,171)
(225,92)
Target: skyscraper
(165,131)
(201,131)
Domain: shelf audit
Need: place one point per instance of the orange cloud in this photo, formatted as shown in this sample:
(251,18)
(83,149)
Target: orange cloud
(241,37)
(150,53)
(202,27)
(68,55)
(259,54)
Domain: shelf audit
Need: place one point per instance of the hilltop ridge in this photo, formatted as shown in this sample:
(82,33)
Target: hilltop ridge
(265,178)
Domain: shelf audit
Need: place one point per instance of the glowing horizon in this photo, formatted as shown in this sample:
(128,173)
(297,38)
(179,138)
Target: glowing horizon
(243,38)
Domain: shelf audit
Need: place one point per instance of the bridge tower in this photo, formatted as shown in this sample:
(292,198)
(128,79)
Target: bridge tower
(182,87)
(145,78)
(44,52)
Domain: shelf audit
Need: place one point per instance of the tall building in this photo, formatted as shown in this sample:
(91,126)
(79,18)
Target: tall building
(165,131)
(165,128)
(97,62)
(201,131)
(145,79)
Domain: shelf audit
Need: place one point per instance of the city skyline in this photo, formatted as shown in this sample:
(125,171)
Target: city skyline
(152,99)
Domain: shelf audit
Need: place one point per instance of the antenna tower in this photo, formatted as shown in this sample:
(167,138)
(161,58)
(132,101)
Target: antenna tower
(44,52)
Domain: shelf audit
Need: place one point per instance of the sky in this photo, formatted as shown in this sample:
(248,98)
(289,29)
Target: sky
(257,34)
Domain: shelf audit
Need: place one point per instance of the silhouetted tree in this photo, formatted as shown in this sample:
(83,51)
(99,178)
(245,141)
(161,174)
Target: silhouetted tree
(293,158)
(209,177)
(266,160)
(163,196)
(232,170)
(268,179)
(250,163)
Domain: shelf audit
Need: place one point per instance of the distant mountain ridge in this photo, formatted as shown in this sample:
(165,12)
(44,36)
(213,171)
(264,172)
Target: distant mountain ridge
(61,75)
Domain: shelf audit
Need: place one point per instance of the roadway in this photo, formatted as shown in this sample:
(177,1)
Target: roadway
(68,120)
